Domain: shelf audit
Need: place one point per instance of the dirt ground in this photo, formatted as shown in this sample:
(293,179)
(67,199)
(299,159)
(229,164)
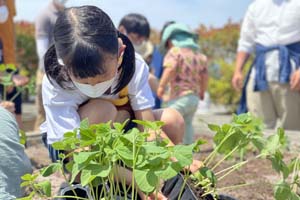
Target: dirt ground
(258,173)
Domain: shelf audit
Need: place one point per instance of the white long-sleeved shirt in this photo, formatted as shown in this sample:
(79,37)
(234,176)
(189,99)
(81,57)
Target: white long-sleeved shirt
(61,105)
(270,22)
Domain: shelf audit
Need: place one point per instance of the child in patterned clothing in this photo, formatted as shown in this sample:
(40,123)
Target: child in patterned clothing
(185,73)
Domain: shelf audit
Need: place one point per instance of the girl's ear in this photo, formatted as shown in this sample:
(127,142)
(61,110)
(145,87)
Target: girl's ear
(121,50)
(122,47)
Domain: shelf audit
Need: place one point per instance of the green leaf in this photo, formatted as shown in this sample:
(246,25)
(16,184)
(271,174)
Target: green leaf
(282,191)
(130,136)
(279,165)
(29,177)
(259,142)
(146,180)
(152,125)
(86,177)
(60,145)
(152,148)
(99,170)
(87,134)
(226,142)
(84,124)
(69,166)
(25,183)
(214,127)
(70,134)
(207,173)
(197,145)
(2,68)
(170,171)
(75,171)
(274,143)
(51,169)
(120,127)
(23,137)
(125,153)
(184,154)
(45,186)
(294,196)
(82,157)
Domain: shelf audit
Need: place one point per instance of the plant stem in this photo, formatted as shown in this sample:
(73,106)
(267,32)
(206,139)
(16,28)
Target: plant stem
(183,185)
(295,170)
(234,186)
(92,190)
(225,157)
(4,93)
(207,193)
(233,168)
(133,167)
(66,179)
(71,197)
(214,153)
(15,96)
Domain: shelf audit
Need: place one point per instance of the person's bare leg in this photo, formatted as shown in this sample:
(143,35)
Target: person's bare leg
(97,111)
(174,123)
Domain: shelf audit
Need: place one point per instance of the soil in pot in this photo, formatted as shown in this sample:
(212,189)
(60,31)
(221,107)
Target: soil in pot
(173,186)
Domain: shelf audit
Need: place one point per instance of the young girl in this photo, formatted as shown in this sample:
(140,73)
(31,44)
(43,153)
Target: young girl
(185,72)
(92,72)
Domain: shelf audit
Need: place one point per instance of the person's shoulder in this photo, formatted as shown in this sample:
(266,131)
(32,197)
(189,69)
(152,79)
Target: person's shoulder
(44,14)
(140,62)
(5,114)
(141,67)
(175,50)
(202,57)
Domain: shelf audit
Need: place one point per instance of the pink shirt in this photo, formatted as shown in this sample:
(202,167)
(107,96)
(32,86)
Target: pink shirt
(190,69)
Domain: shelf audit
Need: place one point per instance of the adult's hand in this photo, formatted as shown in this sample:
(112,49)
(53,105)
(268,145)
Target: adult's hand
(295,80)
(237,80)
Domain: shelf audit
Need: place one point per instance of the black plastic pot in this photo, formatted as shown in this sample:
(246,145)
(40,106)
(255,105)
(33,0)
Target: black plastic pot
(172,187)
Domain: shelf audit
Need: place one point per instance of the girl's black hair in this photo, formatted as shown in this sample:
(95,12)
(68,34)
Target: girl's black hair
(83,36)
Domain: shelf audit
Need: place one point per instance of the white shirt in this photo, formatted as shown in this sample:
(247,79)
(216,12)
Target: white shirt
(271,22)
(61,105)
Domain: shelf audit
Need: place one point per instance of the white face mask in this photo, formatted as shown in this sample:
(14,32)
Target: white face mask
(94,91)
(3,14)
(140,48)
(61,2)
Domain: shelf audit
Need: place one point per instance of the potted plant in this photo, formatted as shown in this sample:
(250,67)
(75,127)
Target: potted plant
(6,73)
(103,152)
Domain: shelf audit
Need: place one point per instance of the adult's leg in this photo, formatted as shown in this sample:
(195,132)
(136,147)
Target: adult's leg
(287,104)
(261,104)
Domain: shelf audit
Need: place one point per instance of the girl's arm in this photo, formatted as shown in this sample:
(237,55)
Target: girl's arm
(168,73)
(170,64)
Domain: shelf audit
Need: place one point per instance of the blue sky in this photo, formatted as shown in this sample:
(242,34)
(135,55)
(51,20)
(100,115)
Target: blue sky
(191,12)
